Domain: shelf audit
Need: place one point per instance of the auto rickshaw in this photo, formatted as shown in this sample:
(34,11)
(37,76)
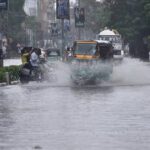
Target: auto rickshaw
(91,61)
(94,49)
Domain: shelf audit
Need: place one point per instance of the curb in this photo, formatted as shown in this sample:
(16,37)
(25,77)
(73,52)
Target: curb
(12,83)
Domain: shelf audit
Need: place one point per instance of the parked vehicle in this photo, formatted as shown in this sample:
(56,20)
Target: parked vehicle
(53,58)
(53,54)
(91,61)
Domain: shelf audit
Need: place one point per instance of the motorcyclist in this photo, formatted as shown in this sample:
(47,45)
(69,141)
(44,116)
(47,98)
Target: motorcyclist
(25,55)
(30,69)
(35,59)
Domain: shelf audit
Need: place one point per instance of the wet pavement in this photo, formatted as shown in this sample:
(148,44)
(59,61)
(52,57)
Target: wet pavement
(114,115)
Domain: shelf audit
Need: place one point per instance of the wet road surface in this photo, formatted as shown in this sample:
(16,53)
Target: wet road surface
(111,116)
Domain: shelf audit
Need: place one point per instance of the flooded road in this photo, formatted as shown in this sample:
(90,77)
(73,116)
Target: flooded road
(111,116)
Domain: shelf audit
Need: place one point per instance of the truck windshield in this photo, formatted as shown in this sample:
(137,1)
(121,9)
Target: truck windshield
(85,48)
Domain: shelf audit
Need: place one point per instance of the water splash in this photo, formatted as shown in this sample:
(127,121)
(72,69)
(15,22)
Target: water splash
(131,72)
(58,73)
(128,72)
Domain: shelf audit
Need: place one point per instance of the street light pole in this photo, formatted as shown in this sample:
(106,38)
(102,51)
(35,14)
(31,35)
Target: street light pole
(79,30)
(62,37)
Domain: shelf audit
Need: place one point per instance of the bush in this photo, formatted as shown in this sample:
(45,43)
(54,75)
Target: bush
(13,72)
(2,77)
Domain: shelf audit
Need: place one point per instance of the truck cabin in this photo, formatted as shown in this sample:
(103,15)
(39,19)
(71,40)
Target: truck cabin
(105,49)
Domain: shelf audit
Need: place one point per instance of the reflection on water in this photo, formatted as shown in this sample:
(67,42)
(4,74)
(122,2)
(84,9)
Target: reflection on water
(6,121)
(53,117)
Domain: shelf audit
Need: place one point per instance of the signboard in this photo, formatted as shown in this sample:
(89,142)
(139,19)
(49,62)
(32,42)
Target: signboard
(62,9)
(79,17)
(3,4)
(54,29)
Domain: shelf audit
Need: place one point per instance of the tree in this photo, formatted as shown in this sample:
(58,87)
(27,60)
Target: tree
(11,23)
(96,16)
(16,17)
(132,19)
(11,19)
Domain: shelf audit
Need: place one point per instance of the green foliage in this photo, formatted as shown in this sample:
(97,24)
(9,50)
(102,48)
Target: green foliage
(2,77)
(147,11)
(132,20)
(13,72)
(96,16)
(11,20)
(130,17)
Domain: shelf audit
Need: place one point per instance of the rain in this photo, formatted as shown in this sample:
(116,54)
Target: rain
(74,75)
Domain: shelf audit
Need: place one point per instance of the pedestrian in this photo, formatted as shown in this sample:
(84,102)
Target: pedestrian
(1,58)
(4,50)
(19,48)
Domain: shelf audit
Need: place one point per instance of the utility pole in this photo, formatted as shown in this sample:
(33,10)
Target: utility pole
(8,9)
(62,37)
(62,11)
(79,30)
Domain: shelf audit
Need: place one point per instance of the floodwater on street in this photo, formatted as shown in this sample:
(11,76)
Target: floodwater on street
(114,115)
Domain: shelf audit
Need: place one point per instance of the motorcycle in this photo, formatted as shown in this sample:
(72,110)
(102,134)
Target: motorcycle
(28,73)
